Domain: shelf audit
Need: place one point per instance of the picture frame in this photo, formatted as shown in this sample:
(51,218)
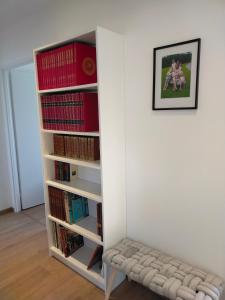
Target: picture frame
(176,75)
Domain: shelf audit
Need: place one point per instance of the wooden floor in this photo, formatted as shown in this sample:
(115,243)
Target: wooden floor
(27,272)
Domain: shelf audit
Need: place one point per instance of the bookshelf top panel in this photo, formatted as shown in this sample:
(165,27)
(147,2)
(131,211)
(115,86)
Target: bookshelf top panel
(86,87)
(89,37)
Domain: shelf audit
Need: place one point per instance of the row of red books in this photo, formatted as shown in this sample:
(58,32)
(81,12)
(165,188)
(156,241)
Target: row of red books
(70,111)
(68,65)
(79,147)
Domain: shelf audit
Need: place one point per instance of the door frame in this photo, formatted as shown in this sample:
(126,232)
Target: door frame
(6,95)
(10,135)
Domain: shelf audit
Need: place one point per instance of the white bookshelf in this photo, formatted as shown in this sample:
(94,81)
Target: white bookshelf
(100,181)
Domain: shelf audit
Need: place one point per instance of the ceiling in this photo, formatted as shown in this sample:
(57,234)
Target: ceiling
(12,11)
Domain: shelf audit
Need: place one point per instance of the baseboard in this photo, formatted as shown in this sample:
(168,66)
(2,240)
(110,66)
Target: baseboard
(6,211)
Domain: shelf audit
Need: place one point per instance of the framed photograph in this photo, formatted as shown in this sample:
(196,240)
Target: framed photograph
(175,76)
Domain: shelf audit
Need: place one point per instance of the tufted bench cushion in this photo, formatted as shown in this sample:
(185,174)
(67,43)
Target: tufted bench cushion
(163,274)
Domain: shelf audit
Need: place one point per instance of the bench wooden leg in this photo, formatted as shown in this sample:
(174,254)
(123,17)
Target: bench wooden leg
(110,283)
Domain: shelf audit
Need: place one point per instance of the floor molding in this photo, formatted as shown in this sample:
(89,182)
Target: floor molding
(6,211)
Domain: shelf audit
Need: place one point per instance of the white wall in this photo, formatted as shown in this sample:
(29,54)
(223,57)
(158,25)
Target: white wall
(176,159)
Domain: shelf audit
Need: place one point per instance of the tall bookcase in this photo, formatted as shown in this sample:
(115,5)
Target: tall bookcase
(100,181)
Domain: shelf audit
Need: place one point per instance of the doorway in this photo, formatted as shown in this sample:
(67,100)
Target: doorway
(26,134)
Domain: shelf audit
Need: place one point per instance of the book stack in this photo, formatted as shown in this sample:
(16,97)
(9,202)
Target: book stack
(69,65)
(79,147)
(56,203)
(62,171)
(66,240)
(69,242)
(70,111)
(67,206)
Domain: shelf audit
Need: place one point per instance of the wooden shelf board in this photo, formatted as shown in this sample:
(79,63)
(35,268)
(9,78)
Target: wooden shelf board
(73,161)
(80,187)
(90,133)
(78,262)
(89,87)
(87,227)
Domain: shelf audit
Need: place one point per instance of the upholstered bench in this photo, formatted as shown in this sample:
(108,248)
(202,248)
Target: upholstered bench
(161,273)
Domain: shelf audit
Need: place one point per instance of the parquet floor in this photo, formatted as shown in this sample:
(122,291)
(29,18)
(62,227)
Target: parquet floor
(27,272)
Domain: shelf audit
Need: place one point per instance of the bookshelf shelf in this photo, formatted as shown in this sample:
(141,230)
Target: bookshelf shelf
(101,182)
(71,132)
(86,87)
(77,162)
(78,262)
(80,187)
(85,227)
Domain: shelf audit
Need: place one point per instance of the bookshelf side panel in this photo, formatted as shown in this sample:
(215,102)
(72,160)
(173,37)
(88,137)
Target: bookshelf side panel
(110,63)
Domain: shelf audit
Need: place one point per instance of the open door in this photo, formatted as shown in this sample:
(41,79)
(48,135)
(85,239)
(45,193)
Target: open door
(26,129)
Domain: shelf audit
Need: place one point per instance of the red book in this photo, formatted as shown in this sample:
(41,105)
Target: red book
(52,112)
(89,111)
(58,111)
(78,111)
(71,70)
(84,64)
(46,70)
(50,53)
(60,67)
(39,71)
(63,123)
(41,60)
(45,111)
(65,65)
(52,125)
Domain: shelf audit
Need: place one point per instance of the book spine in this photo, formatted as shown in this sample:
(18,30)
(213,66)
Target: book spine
(59,236)
(39,70)
(99,220)
(71,221)
(50,56)
(48,75)
(96,148)
(73,65)
(66,199)
(56,68)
